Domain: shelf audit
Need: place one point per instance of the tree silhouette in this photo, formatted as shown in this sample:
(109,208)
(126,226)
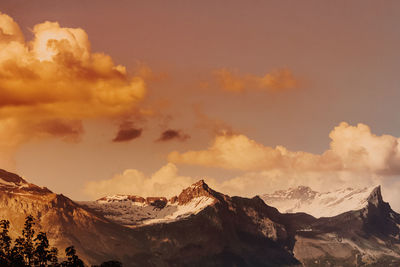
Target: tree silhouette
(27,239)
(28,250)
(72,258)
(42,253)
(5,242)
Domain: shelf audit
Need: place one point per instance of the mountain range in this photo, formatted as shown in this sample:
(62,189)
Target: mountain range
(202,227)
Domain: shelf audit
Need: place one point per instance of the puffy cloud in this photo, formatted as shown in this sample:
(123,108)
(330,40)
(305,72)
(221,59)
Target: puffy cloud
(57,73)
(359,149)
(48,85)
(171,134)
(277,80)
(9,30)
(165,182)
(353,148)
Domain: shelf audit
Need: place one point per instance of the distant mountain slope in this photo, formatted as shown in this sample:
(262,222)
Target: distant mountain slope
(304,199)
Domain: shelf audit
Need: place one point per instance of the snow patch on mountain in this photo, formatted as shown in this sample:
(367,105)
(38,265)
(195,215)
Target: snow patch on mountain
(327,204)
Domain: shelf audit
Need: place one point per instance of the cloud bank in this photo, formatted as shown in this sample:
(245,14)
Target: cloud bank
(352,148)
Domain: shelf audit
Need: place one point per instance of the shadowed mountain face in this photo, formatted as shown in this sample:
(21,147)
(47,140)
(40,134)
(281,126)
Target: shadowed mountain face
(201,227)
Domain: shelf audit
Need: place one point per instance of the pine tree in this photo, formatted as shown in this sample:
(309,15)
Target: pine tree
(42,254)
(28,234)
(72,258)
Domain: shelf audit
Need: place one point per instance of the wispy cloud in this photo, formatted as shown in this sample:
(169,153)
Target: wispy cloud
(274,81)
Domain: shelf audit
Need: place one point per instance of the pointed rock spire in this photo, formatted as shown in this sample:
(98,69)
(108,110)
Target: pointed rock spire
(375,198)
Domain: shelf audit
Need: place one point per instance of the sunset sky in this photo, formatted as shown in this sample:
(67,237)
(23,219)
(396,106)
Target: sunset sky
(146,97)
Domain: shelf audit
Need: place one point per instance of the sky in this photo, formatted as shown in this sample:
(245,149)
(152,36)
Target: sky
(146,97)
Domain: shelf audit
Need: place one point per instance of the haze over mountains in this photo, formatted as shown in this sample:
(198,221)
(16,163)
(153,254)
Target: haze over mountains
(202,227)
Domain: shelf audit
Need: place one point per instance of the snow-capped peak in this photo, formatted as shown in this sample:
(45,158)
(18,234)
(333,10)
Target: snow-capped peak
(327,204)
(133,211)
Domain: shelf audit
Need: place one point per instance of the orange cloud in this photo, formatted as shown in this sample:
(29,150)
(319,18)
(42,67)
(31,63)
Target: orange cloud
(277,80)
(353,148)
(239,152)
(57,73)
(48,85)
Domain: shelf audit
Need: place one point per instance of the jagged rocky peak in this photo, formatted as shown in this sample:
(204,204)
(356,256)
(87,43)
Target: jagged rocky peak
(198,189)
(375,198)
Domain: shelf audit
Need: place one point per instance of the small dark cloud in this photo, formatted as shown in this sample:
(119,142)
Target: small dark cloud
(170,134)
(69,130)
(127,133)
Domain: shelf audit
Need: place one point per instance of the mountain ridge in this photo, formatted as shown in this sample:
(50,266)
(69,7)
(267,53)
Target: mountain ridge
(224,230)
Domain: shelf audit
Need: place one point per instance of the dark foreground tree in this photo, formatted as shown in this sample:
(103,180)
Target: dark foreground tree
(27,249)
(72,258)
(30,250)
